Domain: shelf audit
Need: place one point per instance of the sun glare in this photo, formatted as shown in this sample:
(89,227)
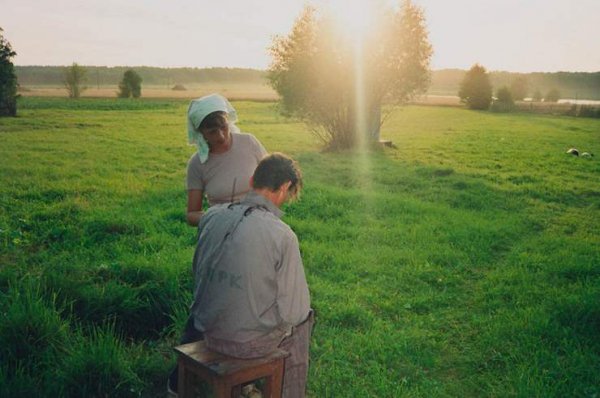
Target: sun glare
(354,17)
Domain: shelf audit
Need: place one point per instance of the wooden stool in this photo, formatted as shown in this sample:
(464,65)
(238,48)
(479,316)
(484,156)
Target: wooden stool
(226,374)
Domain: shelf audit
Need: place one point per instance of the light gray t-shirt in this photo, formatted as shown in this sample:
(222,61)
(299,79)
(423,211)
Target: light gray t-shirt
(249,277)
(225,177)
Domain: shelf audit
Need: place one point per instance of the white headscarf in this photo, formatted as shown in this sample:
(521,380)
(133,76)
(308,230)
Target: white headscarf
(200,108)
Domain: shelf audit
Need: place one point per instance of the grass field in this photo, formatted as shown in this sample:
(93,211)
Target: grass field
(465,262)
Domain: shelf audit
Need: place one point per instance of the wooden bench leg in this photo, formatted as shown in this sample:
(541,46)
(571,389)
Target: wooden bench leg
(276,382)
(236,391)
(181,379)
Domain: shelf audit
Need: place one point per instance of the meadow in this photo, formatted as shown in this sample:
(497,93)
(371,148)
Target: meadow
(463,262)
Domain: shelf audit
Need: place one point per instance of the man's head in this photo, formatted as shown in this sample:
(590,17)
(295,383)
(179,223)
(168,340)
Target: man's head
(278,177)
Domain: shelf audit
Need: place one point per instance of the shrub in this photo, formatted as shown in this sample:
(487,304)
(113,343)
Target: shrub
(73,78)
(518,88)
(476,89)
(130,85)
(552,96)
(504,101)
(179,87)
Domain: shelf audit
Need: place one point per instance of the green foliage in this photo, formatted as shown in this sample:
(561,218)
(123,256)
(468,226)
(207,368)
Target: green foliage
(504,96)
(130,85)
(8,79)
(461,263)
(504,101)
(476,89)
(315,70)
(73,78)
(552,96)
(537,95)
(518,88)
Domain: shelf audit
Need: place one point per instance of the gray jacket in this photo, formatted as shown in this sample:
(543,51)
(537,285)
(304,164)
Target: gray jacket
(249,277)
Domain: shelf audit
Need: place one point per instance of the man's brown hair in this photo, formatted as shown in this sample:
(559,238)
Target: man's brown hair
(275,170)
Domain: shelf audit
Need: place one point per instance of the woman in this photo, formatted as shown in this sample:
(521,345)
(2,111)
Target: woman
(225,160)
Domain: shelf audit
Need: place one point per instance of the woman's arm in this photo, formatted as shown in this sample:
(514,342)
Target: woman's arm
(194,207)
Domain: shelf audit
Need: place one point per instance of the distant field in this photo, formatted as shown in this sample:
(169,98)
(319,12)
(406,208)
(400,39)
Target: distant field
(464,262)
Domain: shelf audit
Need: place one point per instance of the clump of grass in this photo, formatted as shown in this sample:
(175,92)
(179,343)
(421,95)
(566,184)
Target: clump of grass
(33,337)
(98,365)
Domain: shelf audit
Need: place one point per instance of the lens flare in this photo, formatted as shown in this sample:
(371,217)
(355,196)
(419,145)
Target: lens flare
(354,17)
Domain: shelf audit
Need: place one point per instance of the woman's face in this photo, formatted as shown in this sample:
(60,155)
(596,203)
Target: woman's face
(217,136)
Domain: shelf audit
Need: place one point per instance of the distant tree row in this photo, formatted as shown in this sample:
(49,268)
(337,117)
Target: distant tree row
(476,91)
(583,85)
(102,75)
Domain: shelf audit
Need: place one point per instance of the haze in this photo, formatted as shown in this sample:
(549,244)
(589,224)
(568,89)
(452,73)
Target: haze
(511,35)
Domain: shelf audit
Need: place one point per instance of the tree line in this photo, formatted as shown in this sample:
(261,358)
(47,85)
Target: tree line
(582,85)
(104,75)
(573,85)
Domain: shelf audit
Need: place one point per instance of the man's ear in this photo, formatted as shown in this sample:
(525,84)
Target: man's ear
(251,181)
(286,186)
(284,189)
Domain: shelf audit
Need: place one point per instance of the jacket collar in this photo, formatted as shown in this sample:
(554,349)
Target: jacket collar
(255,199)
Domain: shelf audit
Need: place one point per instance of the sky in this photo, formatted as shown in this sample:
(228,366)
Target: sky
(509,35)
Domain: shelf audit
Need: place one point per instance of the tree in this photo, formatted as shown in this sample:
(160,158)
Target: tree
(504,96)
(337,84)
(504,100)
(552,96)
(130,85)
(537,95)
(8,79)
(518,88)
(476,89)
(73,78)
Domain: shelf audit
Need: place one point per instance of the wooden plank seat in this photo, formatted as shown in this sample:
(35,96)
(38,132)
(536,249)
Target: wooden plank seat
(227,374)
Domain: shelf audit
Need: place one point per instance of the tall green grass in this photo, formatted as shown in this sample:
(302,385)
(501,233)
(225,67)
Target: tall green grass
(463,262)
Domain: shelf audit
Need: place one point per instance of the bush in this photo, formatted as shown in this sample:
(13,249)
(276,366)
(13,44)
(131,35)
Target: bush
(504,101)
(589,111)
(552,96)
(130,85)
(73,78)
(476,89)
(179,87)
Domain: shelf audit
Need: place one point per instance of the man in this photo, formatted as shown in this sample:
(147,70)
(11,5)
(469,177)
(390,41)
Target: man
(250,293)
